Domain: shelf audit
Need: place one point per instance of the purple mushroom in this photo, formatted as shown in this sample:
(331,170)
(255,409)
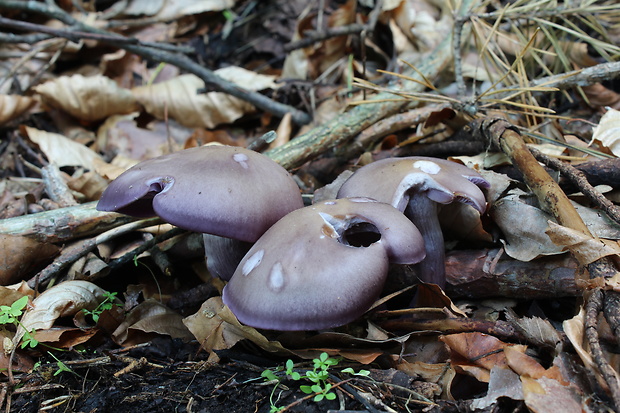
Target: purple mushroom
(225,191)
(321,266)
(415,185)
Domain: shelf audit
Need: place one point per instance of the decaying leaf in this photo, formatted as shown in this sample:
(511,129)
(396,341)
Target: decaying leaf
(179,98)
(11,106)
(150,316)
(216,328)
(63,151)
(21,255)
(476,354)
(87,98)
(62,300)
(523,242)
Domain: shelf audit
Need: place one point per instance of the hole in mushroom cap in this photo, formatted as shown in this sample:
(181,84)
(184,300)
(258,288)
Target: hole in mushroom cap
(351,231)
(363,234)
(160,184)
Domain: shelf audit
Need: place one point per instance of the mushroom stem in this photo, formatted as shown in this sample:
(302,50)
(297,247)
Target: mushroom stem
(423,213)
(224,254)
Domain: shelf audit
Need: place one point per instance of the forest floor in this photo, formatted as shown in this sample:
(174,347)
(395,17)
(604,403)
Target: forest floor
(103,312)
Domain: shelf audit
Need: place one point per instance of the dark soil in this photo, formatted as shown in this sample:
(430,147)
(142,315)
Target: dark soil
(183,382)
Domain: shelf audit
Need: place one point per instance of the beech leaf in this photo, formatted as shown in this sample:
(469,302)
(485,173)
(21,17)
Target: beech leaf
(87,98)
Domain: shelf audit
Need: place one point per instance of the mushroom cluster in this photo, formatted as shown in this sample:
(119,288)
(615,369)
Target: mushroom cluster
(290,267)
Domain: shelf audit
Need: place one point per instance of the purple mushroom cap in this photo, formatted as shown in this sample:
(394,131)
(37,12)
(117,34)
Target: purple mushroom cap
(415,185)
(222,190)
(321,266)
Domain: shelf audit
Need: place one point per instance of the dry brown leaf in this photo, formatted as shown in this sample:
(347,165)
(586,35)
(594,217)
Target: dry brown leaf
(600,96)
(585,248)
(151,316)
(63,151)
(216,328)
(179,98)
(608,131)
(65,337)
(11,106)
(62,300)
(477,353)
(21,255)
(87,98)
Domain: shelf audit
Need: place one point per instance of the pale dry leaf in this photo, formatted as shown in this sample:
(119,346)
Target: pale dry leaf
(607,132)
(502,383)
(88,98)
(523,242)
(11,106)
(179,98)
(143,7)
(537,330)
(548,395)
(62,300)
(63,151)
(585,248)
(175,9)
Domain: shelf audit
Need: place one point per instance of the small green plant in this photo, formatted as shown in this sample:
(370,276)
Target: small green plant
(11,314)
(106,304)
(317,378)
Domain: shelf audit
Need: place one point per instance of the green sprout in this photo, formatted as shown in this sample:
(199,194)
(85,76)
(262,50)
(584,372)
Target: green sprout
(11,314)
(317,378)
(107,304)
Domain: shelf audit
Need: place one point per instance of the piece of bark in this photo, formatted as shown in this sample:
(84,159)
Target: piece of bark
(475,274)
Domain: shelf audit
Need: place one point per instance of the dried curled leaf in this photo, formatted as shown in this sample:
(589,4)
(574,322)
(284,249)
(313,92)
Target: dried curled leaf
(608,131)
(87,98)
(150,316)
(586,248)
(11,106)
(62,300)
(179,98)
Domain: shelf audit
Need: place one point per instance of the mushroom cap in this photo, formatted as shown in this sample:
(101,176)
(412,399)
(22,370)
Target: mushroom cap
(222,190)
(394,180)
(307,273)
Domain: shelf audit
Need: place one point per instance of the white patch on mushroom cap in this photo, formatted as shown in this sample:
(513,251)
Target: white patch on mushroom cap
(252,262)
(276,277)
(242,159)
(428,167)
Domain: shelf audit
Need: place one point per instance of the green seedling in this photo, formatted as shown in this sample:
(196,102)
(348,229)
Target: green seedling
(317,378)
(11,314)
(107,304)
